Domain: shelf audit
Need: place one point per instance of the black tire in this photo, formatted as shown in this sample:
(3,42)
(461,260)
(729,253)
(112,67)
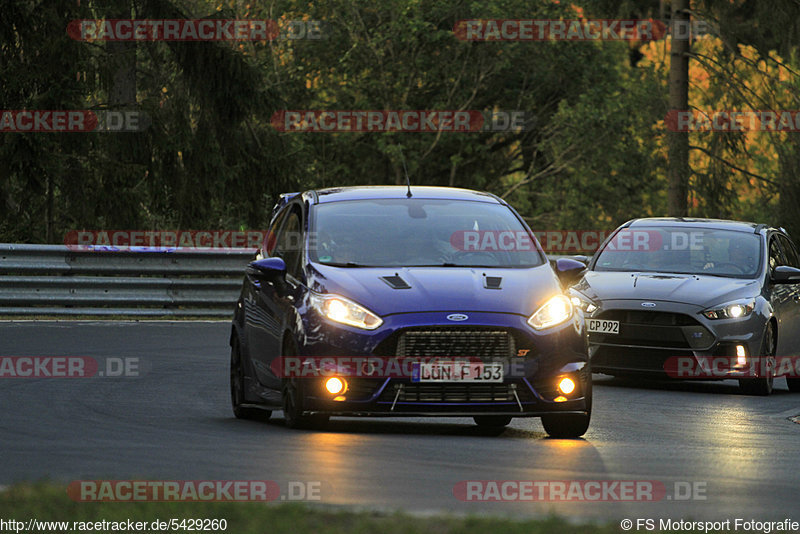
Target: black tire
(492,421)
(569,425)
(237,388)
(566,425)
(793,384)
(293,416)
(293,398)
(762,385)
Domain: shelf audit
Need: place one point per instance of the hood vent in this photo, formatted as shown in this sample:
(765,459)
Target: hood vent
(395,282)
(492,282)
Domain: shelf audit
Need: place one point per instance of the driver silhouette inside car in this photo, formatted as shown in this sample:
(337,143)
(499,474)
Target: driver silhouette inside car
(741,256)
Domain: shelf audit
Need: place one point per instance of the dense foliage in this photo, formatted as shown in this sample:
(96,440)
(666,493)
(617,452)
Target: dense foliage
(593,156)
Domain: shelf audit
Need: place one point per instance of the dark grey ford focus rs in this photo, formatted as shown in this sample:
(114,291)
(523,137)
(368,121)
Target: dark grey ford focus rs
(694,298)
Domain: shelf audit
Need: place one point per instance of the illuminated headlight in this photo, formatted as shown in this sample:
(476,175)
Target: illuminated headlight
(344,311)
(583,303)
(732,310)
(554,312)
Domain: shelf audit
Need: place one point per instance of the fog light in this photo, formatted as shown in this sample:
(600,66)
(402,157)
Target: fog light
(335,385)
(741,355)
(566,386)
(560,398)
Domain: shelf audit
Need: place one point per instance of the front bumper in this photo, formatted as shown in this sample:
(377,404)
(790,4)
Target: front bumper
(536,362)
(681,343)
(400,396)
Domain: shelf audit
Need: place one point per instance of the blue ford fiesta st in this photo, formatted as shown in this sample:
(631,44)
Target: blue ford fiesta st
(418,301)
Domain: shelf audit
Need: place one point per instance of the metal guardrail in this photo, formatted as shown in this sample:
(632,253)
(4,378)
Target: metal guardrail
(59,280)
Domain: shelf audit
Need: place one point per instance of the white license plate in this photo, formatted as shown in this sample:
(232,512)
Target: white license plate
(602,327)
(457,372)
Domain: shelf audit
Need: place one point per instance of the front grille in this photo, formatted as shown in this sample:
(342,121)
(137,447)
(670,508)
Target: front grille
(655,329)
(486,344)
(652,318)
(631,358)
(450,392)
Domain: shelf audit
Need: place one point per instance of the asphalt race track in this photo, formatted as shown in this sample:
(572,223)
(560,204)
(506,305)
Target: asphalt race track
(174,422)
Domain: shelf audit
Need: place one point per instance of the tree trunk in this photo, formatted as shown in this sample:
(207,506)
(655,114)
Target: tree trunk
(122,56)
(122,63)
(678,142)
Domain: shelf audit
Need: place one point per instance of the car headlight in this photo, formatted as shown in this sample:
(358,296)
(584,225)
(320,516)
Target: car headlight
(553,312)
(731,310)
(344,311)
(579,301)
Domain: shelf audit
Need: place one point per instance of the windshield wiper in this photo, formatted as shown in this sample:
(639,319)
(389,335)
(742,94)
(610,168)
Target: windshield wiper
(743,276)
(348,264)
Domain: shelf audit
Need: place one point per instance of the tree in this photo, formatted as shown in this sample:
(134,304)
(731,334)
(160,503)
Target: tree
(678,101)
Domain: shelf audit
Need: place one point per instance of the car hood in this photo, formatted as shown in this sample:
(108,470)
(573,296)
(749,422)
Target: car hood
(381,289)
(700,290)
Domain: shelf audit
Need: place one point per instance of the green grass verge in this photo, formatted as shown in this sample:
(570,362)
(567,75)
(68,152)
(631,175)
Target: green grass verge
(49,502)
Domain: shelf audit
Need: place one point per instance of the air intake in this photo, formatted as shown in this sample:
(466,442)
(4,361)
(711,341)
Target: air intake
(395,282)
(492,282)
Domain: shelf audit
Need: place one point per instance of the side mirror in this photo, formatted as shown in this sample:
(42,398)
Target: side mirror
(569,270)
(267,270)
(784,274)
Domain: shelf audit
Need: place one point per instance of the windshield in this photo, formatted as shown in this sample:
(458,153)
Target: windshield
(698,251)
(420,232)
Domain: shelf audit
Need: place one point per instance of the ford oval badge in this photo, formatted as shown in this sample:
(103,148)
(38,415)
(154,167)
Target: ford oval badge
(457,317)
(649,304)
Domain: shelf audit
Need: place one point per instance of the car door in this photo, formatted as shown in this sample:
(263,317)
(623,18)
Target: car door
(791,314)
(780,296)
(272,305)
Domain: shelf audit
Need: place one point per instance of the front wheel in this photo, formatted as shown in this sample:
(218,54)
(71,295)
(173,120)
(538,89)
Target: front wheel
(237,388)
(293,399)
(571,425)
(567,425)
(762,385)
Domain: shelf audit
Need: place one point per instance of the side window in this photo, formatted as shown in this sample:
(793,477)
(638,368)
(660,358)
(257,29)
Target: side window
(789,252)
(290,242)
(775,254)
(270,240)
